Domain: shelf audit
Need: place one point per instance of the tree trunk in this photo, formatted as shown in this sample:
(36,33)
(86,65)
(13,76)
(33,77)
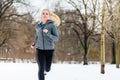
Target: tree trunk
(85,57)
(118,38)
(102,44)
(113,53)
(117,54)
(102,53)
(85,51)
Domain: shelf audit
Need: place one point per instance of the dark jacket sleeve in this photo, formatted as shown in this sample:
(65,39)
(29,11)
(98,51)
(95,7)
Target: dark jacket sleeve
(54,34)
(35,40)
(36,37)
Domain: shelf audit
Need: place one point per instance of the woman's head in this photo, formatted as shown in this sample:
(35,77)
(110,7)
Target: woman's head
(45,14)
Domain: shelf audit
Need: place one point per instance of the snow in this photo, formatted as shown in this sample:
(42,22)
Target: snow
(28,71)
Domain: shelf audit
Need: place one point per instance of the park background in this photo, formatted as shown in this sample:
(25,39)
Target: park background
(89,39)
(79,31)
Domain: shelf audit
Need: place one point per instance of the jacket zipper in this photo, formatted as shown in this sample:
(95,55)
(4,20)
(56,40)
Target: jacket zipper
(43,40)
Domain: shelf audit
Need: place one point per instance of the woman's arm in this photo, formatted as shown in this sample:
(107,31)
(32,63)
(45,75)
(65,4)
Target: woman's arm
(35,40)
(54,35)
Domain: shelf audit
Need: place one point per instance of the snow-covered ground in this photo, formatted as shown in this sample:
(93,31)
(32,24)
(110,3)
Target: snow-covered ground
(28,71)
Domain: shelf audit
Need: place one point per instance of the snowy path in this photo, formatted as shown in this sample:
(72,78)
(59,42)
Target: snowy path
(28,71)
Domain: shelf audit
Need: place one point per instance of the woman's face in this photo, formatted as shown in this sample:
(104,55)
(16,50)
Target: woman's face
(45,14)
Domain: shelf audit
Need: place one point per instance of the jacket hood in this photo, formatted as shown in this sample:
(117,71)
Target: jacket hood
(53,19)
(49,21)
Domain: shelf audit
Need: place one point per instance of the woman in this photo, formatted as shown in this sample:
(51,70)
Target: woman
(46,35)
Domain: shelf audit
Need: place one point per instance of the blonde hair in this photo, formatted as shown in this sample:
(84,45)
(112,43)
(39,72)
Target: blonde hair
(54,17)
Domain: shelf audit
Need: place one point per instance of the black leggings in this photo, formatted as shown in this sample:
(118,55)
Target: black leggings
(44,60)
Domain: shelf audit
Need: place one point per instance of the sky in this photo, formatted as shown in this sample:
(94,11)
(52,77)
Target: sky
(49,3)
(38,5)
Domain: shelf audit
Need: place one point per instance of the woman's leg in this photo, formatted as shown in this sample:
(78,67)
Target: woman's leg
(40,57)
(48,57)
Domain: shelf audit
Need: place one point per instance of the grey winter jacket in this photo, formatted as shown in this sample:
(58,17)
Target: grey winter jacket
(45,41)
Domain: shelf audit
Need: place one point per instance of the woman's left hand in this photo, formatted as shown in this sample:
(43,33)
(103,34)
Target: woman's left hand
(45,30)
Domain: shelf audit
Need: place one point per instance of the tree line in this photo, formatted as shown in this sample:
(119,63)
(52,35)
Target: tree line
(79,32)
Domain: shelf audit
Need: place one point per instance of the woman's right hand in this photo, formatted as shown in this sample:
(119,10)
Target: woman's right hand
(32,46)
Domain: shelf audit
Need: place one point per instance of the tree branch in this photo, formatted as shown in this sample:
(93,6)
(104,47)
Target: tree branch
(77,9)
(11,15)
(77,33)
(5,6)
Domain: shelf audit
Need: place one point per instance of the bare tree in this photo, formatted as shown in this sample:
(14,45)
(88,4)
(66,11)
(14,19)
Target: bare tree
(86,23)
(110,9)
(113,28)
(102,44)
(7,13)
(117,35)
(12,23)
